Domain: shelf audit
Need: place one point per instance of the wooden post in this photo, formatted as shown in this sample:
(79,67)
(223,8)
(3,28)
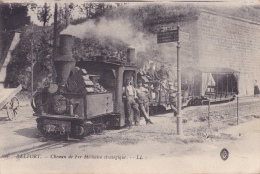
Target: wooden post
(55,30)
(67,15)
(227,87)
(222,86)
(32,62)
(217,89)
(209,114)
(179,116)
(237,111)
(54,41)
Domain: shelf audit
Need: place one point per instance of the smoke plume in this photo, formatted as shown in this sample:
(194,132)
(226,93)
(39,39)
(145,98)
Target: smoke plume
(120,33)
(115,31)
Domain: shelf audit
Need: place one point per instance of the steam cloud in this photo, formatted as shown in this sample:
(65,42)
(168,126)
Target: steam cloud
(117,30)
(121,31)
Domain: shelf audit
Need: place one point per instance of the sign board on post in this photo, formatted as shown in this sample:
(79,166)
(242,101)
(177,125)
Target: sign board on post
(173,36)
(168,36)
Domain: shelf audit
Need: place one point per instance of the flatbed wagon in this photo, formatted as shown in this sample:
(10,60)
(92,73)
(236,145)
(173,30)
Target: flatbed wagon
(9,101)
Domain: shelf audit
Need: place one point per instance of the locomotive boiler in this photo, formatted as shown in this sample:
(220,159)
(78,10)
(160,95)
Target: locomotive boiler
(87,95)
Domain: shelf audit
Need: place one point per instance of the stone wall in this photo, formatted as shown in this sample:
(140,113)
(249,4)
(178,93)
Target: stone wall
(223,41)
(187,39)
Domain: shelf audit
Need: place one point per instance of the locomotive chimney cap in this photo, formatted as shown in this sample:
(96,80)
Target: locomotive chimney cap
(65,58)
(67,35)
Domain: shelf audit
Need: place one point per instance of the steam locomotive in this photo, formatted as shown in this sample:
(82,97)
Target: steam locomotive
(87,95)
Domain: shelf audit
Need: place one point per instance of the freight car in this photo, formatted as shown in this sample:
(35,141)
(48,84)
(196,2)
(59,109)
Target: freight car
(203,84)
(200,85)
(87,95)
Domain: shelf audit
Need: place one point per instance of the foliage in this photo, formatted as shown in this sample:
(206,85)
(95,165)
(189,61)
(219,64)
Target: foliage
(14,15)
(143,18)
(87,48)
(36,40)
(43,12)
(143,21)
(91,10)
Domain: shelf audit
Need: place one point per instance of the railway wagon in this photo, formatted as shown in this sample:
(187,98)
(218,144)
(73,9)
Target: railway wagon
(203,84)
(87,95)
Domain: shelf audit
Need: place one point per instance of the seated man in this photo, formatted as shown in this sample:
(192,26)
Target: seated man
(130,95)
(163,77)
(162,74)
(143,100)
(151,72)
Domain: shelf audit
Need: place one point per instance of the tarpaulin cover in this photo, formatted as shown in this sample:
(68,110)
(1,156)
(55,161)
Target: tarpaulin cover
(219,79)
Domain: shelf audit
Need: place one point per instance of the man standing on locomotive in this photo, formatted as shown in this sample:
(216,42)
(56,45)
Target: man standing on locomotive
(130,95)
(163,76)
(151,74)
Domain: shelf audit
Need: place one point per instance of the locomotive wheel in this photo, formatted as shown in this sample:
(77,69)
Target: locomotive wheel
(197,102)
(161,109)
(79,134)
(190,103)
(12,108)
(36,101)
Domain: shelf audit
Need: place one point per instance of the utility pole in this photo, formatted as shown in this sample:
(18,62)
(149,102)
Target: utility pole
(32,62)
(173,36)
(55,30)
(179,102)
(54,40)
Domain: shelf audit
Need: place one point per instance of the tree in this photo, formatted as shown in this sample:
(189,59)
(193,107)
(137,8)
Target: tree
(44,14)
(91,10)
(19,68)
(14,15)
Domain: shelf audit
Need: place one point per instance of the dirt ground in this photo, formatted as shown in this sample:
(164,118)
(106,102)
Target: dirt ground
(143,149)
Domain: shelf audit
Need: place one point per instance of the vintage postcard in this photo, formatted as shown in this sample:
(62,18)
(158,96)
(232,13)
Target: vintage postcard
(129,87)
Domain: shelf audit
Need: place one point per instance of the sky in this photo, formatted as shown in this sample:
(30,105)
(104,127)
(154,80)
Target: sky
(74,13)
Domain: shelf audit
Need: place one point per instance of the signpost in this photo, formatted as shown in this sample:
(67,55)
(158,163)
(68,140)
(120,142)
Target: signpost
(168,36)
(173,36)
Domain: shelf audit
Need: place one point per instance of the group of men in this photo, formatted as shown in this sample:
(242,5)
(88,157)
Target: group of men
(136,100)
(162,77)
(161,74)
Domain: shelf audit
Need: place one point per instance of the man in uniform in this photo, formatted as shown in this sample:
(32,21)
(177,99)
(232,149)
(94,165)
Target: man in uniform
(143,100)
(130,95)
(163,74)
(151,75)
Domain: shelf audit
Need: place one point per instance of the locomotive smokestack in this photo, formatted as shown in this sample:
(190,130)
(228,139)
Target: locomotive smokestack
(66,44)
(130,55)
(64,62)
